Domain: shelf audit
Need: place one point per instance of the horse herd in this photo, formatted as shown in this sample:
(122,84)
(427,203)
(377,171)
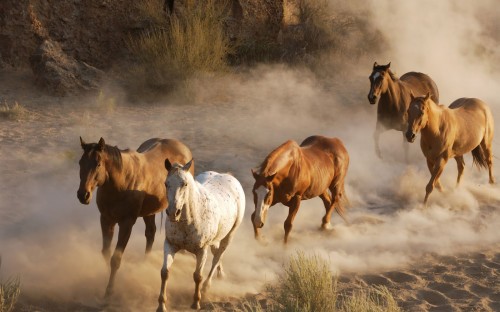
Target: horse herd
(205,211)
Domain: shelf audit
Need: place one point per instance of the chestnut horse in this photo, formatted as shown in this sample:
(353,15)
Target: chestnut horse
(465,126)
(129,185)
(393,97)
(292,173)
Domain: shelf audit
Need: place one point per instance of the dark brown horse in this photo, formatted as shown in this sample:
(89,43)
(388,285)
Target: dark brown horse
(292,173)
(393,97)
(129,185)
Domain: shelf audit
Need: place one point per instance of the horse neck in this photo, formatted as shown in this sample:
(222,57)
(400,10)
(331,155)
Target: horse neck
(120,175)
(279,159)
(434,120)
(193,202)
(392,96)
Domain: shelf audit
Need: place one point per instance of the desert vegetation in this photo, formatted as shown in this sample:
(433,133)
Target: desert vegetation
(10,289)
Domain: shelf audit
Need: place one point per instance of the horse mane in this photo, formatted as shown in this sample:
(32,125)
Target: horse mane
(274,161)
(115,155)
(393,76)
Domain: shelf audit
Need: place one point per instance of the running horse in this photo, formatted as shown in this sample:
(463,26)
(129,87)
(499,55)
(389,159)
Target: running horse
(393,95)
(292,173)
(130,184)
(450,132)
(203,213)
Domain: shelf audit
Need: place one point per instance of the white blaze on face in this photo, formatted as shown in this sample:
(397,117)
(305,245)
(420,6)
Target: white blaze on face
(375,76)
(261,207)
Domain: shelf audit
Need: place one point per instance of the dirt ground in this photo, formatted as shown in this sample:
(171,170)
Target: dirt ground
(445,257)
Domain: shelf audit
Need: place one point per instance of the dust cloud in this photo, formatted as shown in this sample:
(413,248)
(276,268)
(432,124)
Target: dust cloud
(231,123)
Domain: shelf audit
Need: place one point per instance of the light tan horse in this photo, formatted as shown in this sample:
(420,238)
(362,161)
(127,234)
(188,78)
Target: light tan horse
(393,95)
(129,185)
(450,132)
(292,173)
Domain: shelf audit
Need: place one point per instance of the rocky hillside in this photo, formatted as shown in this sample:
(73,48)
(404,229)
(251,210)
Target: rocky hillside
(93,31)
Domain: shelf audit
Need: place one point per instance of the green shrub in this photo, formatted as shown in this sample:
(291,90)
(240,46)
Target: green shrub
(13,112)
(10,290)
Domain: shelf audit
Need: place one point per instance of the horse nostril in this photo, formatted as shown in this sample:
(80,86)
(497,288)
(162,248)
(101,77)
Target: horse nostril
(261,224)
(177,212)
(87,195)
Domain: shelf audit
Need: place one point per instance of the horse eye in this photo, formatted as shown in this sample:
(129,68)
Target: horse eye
(184,184)
(98,165)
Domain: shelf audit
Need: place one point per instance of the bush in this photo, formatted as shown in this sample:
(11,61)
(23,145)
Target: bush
(181,45)
(307,285)
(13,112)
(10,290)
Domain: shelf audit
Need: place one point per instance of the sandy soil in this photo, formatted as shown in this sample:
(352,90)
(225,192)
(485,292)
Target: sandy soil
(445,257)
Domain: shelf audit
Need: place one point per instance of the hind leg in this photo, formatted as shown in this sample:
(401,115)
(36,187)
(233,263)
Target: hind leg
(327,201)
(488,153)
(460,167)
(217,260)
(149,221)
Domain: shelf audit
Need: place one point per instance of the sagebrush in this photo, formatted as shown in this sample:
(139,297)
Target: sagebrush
(10,289)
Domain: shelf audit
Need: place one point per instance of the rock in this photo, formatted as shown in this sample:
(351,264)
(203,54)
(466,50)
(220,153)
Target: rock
(61,74)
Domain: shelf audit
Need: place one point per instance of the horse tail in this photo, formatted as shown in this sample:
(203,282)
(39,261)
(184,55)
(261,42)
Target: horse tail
(479,157)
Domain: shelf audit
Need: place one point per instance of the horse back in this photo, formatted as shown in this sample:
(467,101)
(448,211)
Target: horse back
(420,84)
(325,161)
(157,150)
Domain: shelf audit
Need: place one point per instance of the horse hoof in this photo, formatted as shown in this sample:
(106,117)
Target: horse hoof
(161,308)
(195,306)
(326,227)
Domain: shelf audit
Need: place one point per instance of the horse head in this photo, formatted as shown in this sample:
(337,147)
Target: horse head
(378,81)
(263,193)
(92,169)
(417,115)
(178,184)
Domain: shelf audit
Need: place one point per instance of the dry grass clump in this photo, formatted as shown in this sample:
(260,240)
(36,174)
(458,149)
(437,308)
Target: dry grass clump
(180,45)
(10,290)
(372,299)
(308,285)
(13,112)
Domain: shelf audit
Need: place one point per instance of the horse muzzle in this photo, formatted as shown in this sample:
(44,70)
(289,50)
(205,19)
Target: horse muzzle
(410,136)
(174,216)
(372,99)
(84,196)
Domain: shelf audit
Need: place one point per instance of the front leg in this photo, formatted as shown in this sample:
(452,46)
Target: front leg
(435,174)
(256,230)
(168,258)
(201,258)
(376,138)
(125,228)
(150,232)
(107,229)
(293,208)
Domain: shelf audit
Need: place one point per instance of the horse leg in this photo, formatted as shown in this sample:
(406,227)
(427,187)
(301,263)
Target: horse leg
(325,222)
(107,229)
(376,138)
(437,183)
(201,258)
(406,148)
(460,167)
(293,208)
(149,221)
(256,230)
(436,173)
(168,259)
(123,237)
(488,153)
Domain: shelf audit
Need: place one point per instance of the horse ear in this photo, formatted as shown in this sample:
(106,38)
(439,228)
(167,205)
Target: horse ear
(254,173)
(412,96)
(270,178)
(388,65)
(82,143)
(375,64)
(427,96)
(188,165)
(101,144)
(168,165)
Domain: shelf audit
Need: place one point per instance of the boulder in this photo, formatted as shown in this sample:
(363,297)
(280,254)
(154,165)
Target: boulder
(61,74)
